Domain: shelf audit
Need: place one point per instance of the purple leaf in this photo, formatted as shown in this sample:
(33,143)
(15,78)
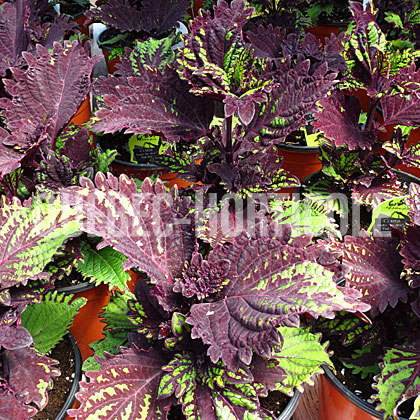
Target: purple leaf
(30,375)
(11,408)
(57,30)
(400,109)
(126,385)
(413,203)
(145,312)
(13,36)
(14,337)
(9,157)
(271,282)
(51,89)
(160,16)
(339,120)
(267,42)
(120,14)
(375,270)
(293,96)
(153,16)
(378,190)
(158,103)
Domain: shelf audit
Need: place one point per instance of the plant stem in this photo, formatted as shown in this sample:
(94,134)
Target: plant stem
(371,113)
(228,139)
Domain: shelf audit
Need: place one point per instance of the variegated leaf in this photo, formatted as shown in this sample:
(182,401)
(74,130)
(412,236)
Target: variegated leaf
(375,270)
(300,359)
(381,189)
(146,227)
(126,388)
(398,379)
(52,88)
(30,375)
(272,280)
(11,408)
(30,236)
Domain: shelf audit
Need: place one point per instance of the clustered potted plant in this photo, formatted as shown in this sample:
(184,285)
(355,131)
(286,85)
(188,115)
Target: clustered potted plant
(358,163)
(227,273)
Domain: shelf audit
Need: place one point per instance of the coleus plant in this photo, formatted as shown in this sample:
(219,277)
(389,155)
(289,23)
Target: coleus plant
(400,21)
(214,327)
(32,235)
(131,19)
(265,91)
(38,146)
(279,13)
(25,23)
(387,273)
(351,153)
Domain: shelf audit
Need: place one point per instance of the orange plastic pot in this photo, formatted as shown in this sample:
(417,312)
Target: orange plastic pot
(131,284)
(414,138)
(87,327)
(80,20)
(336,402)
(111,65)
(138,171)
(83,114)
(325,31)
(300,161)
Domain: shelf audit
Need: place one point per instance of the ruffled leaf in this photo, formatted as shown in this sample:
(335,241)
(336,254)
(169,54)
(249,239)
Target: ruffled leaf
(31,237)
(271,282)
(126,387)
(48,321)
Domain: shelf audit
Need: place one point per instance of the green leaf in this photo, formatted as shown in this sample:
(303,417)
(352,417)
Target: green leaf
(363,370)
(180,377)
(116,329)
(399,376)
(104,266)
(304,217)
(301,357)
(394,19)
(48,321)
(111,344)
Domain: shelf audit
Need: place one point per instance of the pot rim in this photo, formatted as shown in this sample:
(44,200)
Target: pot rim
(139,166)
(350,396)
(290,408)
(77,288)
(300,149)
(77,377)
